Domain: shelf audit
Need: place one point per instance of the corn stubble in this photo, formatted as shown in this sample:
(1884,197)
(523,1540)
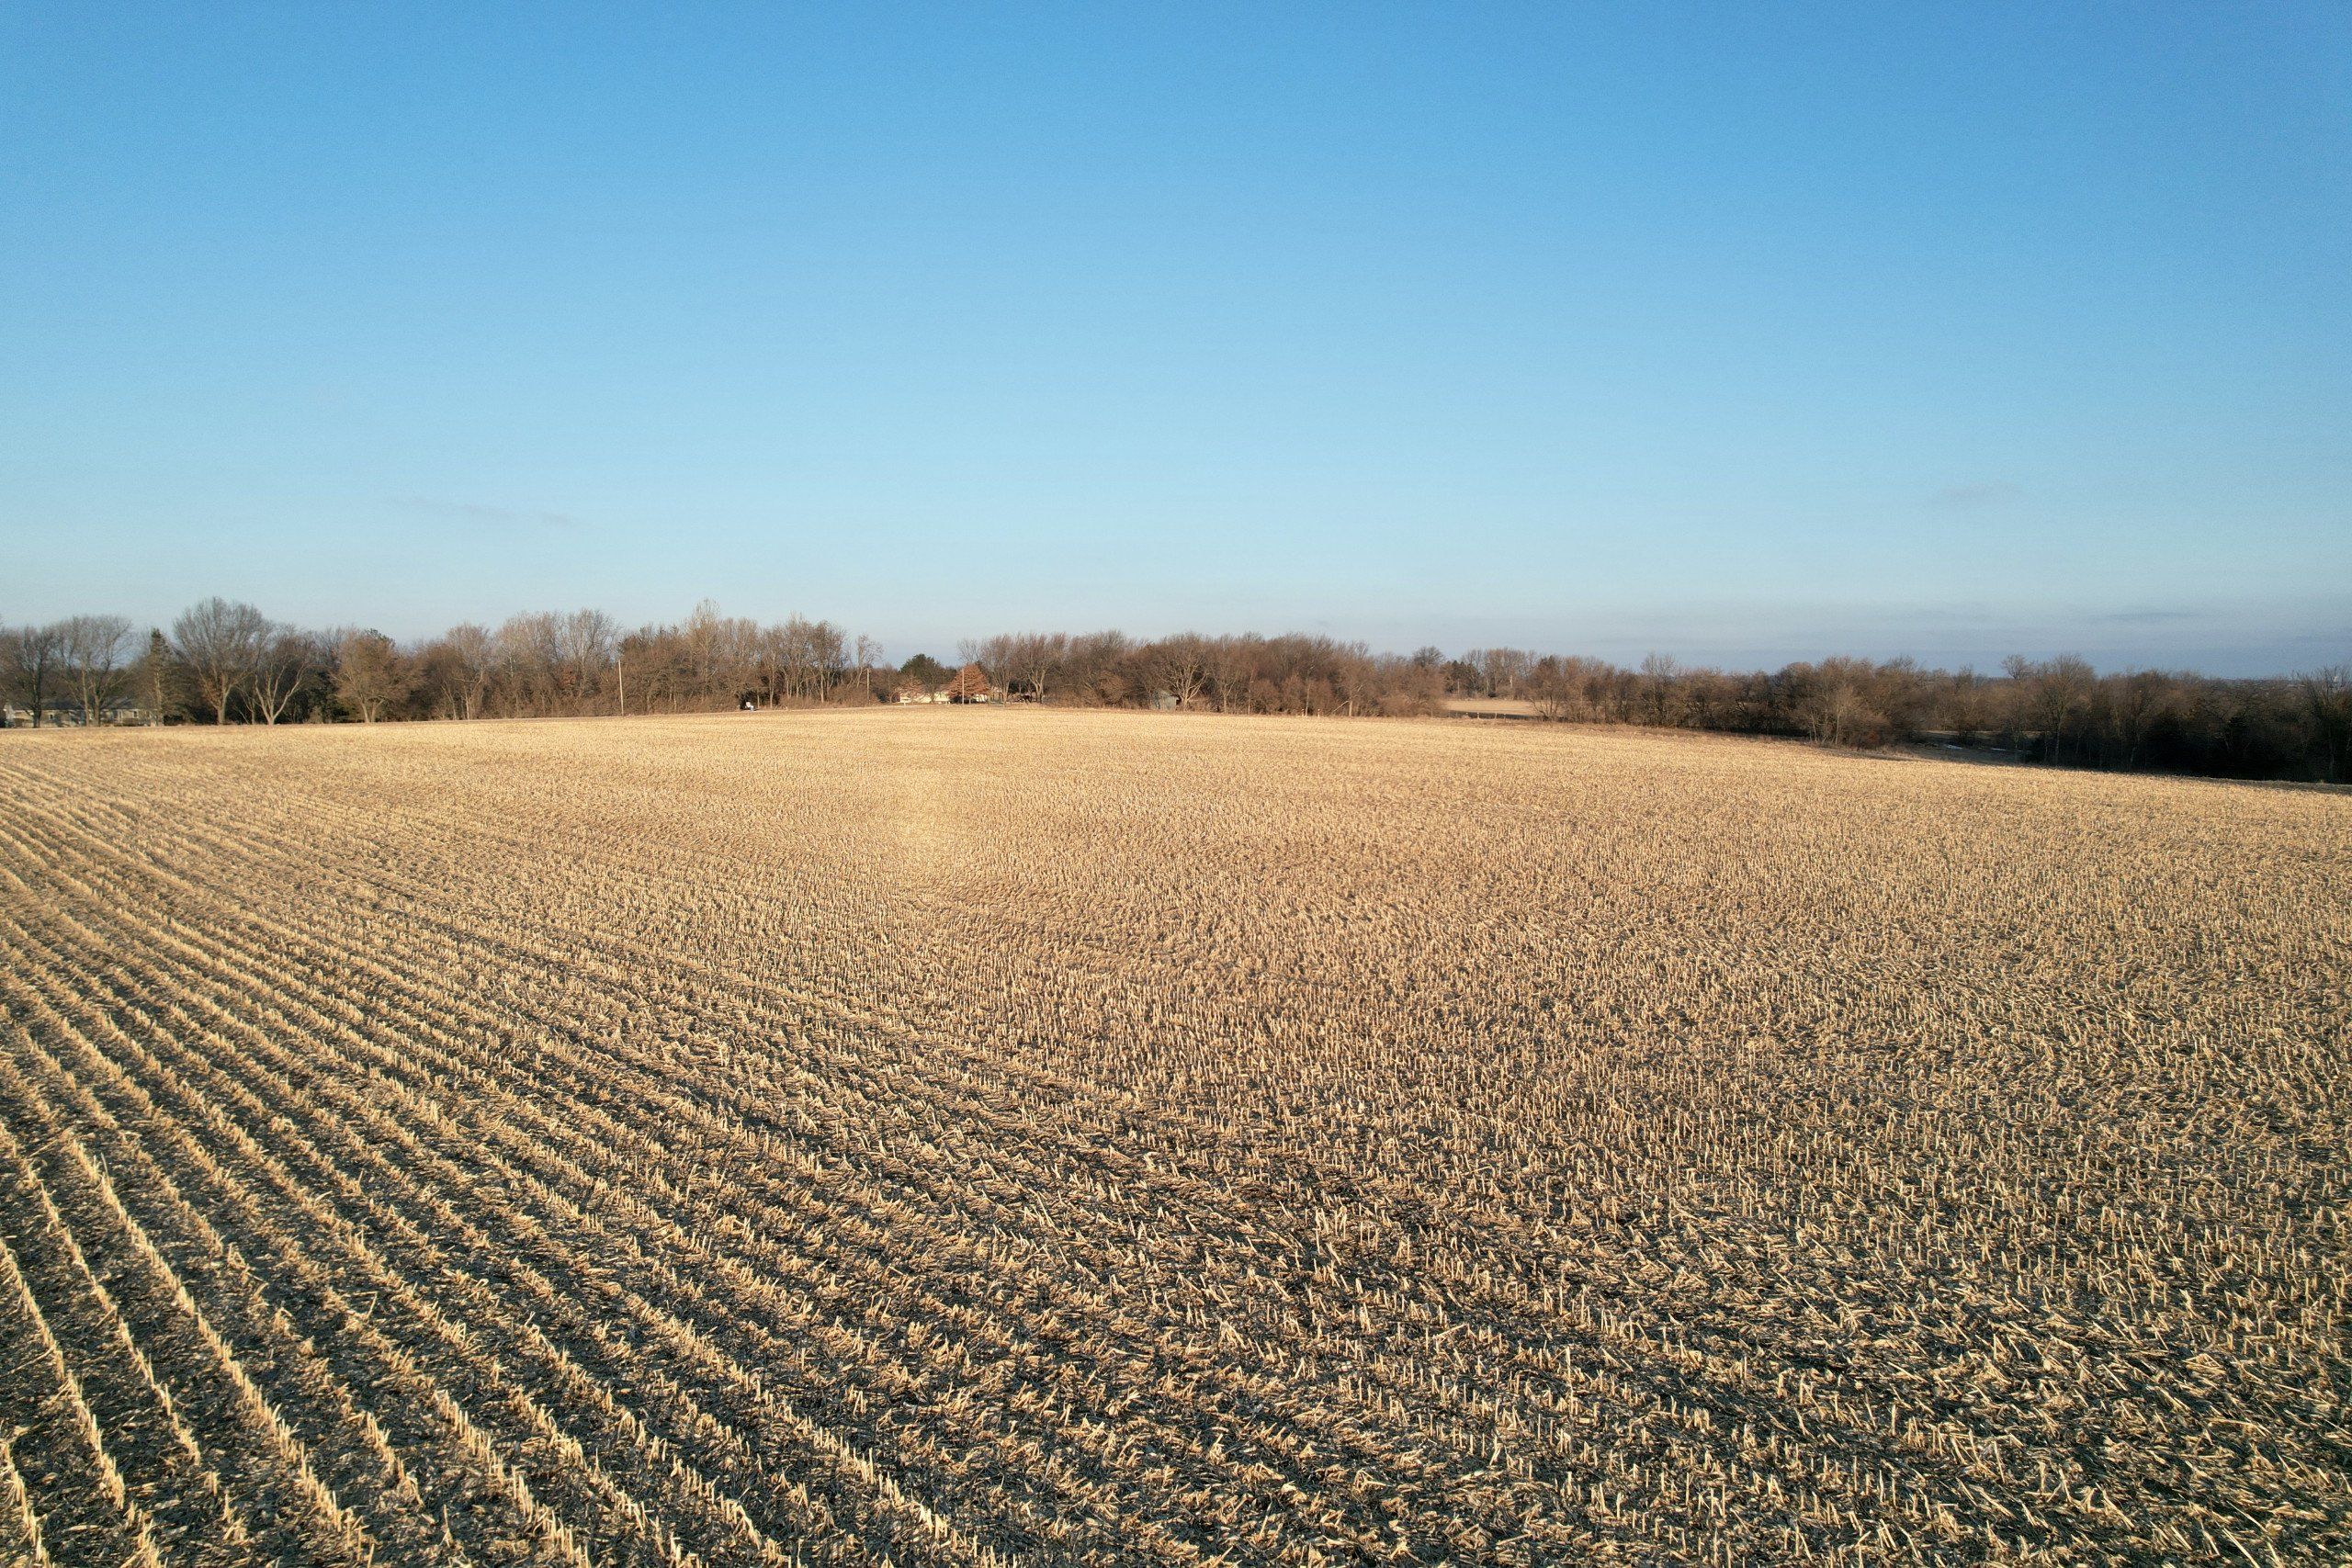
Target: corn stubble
(1007,1137)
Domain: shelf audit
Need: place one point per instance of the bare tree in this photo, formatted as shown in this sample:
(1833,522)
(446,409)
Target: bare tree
(585,644)
(30,658)
(285,661)
(2049,695)
(2136,705)
(773,663)
(869,653)
(529,654)
(825,649)
(1577,688)
(1555,699)
(369,673)
(998,655)
(1097,665)
(1504,669)
(473,660)
(1364,679)
(1835,702)
(801,652)
(735,655)
(220,642)
(1232,669)
(2328,694)
(1039,657)
(790,645)
(1181,664)
(94,649)
(718,653)
(1025,659)
(1660,672)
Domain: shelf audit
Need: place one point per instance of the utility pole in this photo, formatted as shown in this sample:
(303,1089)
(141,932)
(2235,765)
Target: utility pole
(620,672)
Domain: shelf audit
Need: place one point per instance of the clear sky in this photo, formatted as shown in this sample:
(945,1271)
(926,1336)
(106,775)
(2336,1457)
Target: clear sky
(1742,333)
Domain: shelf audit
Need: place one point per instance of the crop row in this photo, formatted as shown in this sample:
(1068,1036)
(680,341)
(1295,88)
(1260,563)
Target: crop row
(1093,1140)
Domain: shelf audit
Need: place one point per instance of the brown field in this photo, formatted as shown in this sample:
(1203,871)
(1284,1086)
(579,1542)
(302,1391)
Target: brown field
(956,1136)
(1491,707)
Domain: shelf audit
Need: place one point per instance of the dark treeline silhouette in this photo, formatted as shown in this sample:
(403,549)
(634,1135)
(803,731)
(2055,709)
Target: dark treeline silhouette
(223,662)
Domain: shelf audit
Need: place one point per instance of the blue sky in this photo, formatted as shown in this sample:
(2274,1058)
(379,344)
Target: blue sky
(1744,333)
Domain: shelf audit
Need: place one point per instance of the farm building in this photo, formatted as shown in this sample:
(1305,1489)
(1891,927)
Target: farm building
(66,711)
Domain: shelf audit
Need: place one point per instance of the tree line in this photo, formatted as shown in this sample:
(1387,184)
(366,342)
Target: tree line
(2058,711)
(223,662)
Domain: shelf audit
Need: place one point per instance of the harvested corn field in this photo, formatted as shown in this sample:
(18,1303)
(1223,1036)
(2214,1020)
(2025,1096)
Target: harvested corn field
(967,1136)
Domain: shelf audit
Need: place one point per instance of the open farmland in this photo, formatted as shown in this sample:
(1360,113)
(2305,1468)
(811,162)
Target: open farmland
(962,1136)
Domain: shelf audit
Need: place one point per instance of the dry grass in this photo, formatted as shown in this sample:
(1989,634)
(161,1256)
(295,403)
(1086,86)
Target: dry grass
(968,1136)
(1491,707)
